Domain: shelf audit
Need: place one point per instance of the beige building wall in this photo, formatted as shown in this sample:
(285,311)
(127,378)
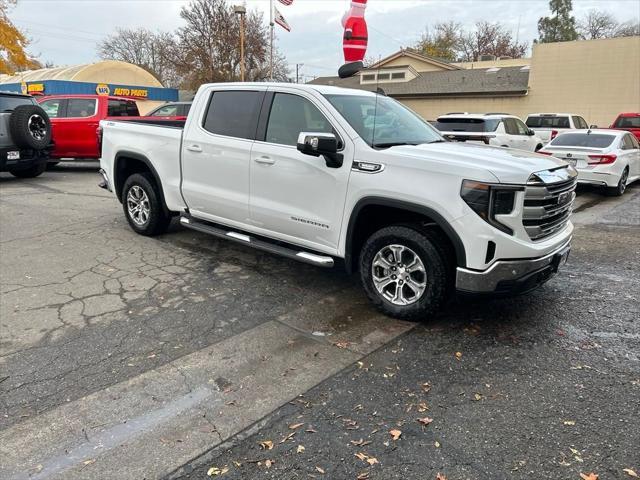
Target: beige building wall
(597,79)
(511,62)
(418,65)
(433,108)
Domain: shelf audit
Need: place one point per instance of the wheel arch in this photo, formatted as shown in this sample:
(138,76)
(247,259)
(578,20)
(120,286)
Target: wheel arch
(126,164)
(367,206)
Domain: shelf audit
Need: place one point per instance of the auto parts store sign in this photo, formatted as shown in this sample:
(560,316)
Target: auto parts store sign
(104,89)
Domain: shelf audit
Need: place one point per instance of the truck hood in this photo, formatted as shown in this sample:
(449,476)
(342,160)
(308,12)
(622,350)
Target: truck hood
(507,165)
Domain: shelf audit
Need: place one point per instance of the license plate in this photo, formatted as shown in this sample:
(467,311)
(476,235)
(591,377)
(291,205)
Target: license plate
(572,161)
(13,155)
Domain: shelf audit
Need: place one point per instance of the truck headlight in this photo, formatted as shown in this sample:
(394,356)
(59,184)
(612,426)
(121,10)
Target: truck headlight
(489,200)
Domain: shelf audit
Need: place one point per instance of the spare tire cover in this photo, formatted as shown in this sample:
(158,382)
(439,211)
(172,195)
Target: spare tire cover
(30,127)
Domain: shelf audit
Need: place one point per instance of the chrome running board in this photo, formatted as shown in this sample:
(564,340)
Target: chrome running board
(264,245)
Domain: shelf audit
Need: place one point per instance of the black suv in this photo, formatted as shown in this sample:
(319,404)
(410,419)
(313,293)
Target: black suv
(25,135)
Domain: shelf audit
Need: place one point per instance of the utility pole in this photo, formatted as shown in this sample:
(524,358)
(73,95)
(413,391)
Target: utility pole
(298,66)
(271,25)
(241,10)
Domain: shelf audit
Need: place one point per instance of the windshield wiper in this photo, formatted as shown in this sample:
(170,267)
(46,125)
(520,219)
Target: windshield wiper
(393,144)
(438,141)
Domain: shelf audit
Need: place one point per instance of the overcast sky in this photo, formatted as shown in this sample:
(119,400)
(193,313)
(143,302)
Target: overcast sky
(66,32)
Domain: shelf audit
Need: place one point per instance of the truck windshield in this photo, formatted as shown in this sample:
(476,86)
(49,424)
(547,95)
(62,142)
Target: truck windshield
(10,102)
(587,140)
(548,122)
(384,123)
(480,125)
(627,122)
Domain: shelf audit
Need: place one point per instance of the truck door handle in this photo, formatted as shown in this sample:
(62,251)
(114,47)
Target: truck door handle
(265,160)
(195,148)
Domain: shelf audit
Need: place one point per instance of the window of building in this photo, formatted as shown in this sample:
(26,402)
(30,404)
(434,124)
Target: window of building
(290,115)
(398,75)
(384,76)
(369,77)
(233,114)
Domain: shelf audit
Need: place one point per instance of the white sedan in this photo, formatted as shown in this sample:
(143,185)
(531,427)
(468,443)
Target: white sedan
(610,158)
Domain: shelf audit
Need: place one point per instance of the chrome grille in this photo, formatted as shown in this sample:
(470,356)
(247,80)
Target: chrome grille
(547,206)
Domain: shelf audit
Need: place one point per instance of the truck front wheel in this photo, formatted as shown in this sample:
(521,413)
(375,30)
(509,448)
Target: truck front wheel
(143,205)
(404,272)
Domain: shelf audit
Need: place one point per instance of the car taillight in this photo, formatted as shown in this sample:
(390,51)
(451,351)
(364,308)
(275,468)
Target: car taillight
(601,159)
(554,134)
(542,152)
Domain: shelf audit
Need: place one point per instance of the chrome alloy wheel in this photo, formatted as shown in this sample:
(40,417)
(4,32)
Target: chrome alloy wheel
(399,275)
(37,127)
(138,205)
(622,185)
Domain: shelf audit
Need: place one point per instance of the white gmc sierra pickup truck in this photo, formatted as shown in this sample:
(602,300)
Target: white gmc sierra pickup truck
(322,174)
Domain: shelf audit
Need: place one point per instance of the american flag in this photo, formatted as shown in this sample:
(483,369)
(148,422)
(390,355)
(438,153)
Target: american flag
(286,2)
(279,19)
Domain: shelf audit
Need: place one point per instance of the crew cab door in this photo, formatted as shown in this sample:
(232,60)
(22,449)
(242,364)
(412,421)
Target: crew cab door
(75,121)
(296,197)
(216,148)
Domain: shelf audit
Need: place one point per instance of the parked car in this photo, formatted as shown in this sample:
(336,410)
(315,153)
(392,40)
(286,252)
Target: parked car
(25,135)
(629,122)
(171,111)
(75,119)
(548,125)
(498,129)
(610,158)
(299,170)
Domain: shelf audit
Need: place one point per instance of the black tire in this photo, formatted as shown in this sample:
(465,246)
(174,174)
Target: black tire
(157,220)
(30,127)
(619,189)
(30,172)
(539,147)
(425,245)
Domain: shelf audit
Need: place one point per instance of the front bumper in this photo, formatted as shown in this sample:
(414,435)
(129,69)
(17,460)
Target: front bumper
(512,276)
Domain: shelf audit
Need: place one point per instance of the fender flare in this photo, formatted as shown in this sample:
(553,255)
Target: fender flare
(452,235)
(119,182)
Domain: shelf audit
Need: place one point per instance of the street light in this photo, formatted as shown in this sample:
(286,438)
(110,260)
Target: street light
(241,10)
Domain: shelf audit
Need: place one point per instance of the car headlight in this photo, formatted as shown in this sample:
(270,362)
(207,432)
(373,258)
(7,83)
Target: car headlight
(489,200)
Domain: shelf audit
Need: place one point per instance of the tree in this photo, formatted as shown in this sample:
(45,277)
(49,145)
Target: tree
(13,43)
(489,39)
(597,24)
(561,27)
(210,46)
(442,42)
(156,52)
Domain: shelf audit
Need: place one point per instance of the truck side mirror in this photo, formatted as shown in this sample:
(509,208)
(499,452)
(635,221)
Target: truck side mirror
(593,126)
(325,144)
(531,133)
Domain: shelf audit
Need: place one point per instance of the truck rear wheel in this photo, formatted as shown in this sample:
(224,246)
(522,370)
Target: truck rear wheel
(404,272)
(143,206)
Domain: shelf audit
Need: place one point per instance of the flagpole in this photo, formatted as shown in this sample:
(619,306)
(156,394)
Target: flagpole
(271,24)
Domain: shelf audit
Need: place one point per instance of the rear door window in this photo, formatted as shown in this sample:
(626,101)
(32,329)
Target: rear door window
(81,107)
(586,140)
(627,143)
(122,108)
(233,114)
(55,107)
(185,109)
(522,128)
(167,111)
(132,109)
(510,126)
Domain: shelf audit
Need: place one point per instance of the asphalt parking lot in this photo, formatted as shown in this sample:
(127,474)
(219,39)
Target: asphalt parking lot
(128,357)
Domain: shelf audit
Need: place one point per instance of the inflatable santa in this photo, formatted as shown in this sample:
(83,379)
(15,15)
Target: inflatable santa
(355,39)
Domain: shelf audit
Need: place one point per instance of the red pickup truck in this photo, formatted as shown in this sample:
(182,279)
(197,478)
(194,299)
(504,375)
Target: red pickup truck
(75,119)
(629,122)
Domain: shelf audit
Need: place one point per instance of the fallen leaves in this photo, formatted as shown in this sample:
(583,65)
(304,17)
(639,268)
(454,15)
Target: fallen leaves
(360,443)
(458,356)
(266,445)
(215,471)
(441,476)
(300,449)
(569,422)
(630,472)
(436,444)
(426,387)
(477,397)
(395,434)
(589,476)
(320,470)
(425,421)
(295,425)
(366,458)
